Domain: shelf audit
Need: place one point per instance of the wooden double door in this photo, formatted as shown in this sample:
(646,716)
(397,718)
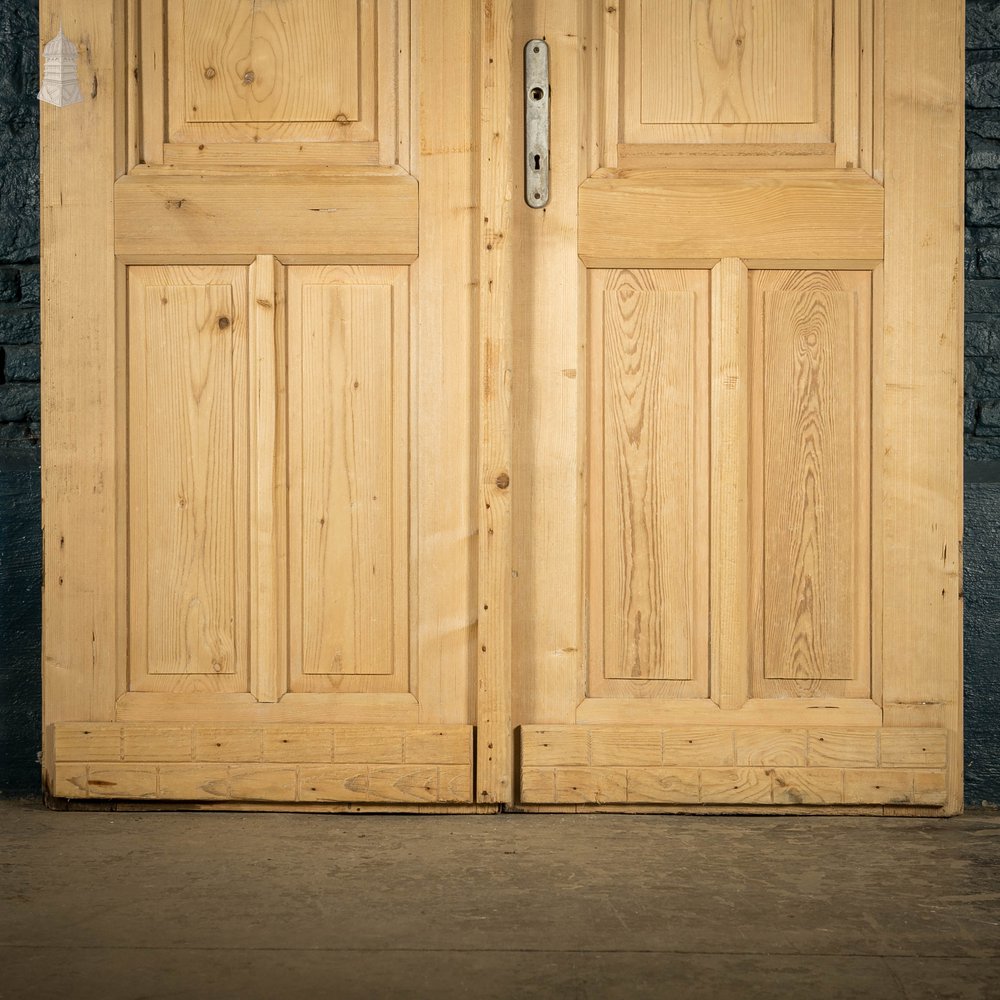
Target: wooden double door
(369,486)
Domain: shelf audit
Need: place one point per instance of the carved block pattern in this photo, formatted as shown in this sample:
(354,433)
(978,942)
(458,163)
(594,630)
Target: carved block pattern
(706,765)
(265,763)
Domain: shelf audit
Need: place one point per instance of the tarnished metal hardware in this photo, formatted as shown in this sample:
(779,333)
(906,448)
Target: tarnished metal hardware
(537,98)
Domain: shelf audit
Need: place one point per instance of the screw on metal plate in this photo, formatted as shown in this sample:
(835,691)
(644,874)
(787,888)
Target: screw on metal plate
(536,123)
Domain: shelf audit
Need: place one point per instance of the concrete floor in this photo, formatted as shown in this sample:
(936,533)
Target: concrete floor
(109,905)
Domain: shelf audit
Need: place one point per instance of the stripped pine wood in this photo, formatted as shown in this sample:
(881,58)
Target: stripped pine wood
(848,84)
(495,757)
(268,439)
(649,480)
(348,350)
(267,762)
(305,73)
(700,74)
(920,453)
(443,359)
(169,215)
(266,782)
(811,482)
(740,156)
(761,786)
(79,516)
(151,73)
(376,708)
(262,63)
(268,743)
(754,712)
(780,214)
(728,63)
(729,478)
(188,361)
(549,436)
(704,552)
(636,747)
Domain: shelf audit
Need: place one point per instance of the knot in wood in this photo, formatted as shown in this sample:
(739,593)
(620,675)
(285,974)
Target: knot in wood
(503,481)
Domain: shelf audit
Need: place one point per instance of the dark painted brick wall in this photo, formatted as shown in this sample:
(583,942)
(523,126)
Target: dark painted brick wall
(20,533)
(20,523)
(982,404)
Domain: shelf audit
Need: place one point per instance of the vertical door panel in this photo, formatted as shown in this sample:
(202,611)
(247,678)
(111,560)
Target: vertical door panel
(348,430)
(811,336)
(188,501)
(648,339)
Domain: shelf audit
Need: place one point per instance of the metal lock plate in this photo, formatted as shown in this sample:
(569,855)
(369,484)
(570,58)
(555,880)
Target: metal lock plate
(537,94)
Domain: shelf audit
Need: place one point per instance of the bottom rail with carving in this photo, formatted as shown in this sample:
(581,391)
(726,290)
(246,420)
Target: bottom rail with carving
(262,763)
(706,765)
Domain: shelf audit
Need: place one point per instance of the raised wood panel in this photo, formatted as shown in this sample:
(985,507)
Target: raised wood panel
(734,72)
(300,83)
(648,337)
(189,479)
(811,343)
(348,372)
(751,215)
(725,82)
(293,61)
(362,218)
(732,62)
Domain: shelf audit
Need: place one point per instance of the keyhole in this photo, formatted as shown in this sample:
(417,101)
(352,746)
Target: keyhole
(537,93)
(538,161)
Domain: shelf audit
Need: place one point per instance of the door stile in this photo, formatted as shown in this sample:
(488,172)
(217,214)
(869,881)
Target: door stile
(921,450)
(494,739)
(79,472)
(729,540)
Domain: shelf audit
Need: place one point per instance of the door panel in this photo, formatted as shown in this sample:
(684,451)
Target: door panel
(811,340)
(348,500)
(648,535)
(189,479)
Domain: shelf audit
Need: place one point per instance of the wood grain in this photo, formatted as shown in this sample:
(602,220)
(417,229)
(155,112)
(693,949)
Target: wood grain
(729,63)
(548,646)
(444,411)
(777,214)
(188,496)
(82,547)
(812,335)
(730,485)
(371,217)
(264,763)
(718,764)
(705,71)
(495,757)
(652,473)
(920,452)
(289,73)
(268,443)
(348,350)
(289,62)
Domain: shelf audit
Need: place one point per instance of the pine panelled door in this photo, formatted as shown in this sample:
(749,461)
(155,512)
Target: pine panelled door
(368,486)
